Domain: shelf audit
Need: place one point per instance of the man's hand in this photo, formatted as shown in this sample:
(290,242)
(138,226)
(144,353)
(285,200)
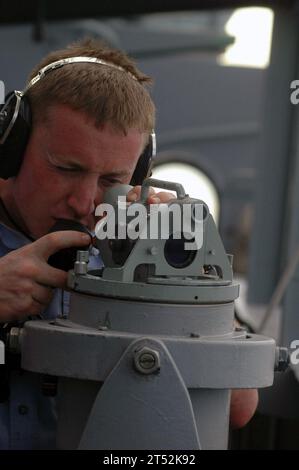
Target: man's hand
(27,281)
(243,406)
(153,198)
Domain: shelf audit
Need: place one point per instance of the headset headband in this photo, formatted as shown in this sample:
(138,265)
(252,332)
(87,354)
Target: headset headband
(12,115)
(72,60)
(44,71)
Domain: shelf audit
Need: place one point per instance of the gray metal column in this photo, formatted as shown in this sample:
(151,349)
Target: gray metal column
(274,159)
(290,319)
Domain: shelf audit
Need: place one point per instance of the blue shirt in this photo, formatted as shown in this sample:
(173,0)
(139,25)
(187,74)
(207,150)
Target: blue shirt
(28,418)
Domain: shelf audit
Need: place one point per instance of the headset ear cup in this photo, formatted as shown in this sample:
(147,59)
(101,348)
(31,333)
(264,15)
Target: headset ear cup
(144,164)
(13,148)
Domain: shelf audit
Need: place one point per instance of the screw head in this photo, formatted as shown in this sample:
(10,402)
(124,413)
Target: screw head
(147,360)
(152,250)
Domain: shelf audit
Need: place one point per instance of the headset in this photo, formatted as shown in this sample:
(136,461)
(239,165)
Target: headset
(16,124)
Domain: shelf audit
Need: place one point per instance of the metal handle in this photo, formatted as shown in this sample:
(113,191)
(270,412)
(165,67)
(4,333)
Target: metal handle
(178,188)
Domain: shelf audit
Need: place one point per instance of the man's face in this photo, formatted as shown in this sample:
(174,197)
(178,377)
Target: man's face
(67,167)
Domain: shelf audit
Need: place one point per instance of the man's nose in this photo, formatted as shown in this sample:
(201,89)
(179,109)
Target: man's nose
(84,198)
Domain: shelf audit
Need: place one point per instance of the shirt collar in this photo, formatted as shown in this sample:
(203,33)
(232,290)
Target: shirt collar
(11,238)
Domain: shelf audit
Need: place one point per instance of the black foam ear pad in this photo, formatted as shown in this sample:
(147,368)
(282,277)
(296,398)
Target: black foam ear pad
(12,150)
(7,111)
(143,166)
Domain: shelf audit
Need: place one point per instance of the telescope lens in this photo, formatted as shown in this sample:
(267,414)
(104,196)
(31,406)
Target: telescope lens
(175,253)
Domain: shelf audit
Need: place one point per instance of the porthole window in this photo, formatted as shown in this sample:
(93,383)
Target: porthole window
(195,182)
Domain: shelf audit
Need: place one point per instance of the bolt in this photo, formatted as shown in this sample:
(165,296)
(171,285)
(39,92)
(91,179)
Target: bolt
(282,359)
(147,361)
(152,250)
(15,340)
(81,262)
(82,255)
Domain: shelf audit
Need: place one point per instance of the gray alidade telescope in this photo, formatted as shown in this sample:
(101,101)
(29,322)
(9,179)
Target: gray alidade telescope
(149,353)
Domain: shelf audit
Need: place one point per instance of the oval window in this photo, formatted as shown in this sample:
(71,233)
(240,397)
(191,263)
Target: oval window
(195,182)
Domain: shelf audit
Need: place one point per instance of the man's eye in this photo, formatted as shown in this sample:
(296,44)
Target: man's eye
(110,182)
(66,169)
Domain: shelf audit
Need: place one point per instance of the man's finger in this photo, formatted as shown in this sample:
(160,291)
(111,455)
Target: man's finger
(161,197)
(56,241)
(43,295)
(51,277)
(134,194)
